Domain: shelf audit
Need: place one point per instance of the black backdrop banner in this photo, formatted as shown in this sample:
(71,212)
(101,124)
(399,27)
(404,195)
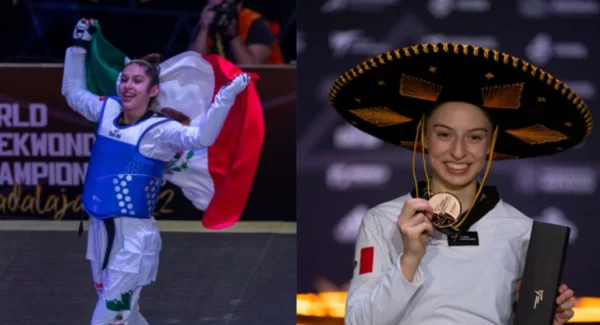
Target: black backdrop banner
(45,145)
(342,172)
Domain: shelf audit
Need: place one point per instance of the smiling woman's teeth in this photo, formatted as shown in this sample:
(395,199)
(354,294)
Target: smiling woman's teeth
(456,166)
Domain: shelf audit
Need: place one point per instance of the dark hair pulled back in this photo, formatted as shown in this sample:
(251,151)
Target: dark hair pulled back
(151,65)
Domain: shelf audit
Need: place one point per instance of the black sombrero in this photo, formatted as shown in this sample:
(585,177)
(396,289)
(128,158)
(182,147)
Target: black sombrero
(536,114)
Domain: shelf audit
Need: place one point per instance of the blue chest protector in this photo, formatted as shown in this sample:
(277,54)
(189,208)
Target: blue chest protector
(120,181)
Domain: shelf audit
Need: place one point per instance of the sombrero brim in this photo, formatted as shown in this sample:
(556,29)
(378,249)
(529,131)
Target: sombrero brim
(387,95)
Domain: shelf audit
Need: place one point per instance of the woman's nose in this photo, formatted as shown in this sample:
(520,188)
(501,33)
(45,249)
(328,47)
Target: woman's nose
(458,150)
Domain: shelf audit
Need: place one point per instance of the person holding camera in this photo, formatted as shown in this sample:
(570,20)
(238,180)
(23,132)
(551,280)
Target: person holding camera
(240,35)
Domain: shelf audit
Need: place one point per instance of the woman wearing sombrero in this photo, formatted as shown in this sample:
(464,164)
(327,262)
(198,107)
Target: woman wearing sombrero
(451,251)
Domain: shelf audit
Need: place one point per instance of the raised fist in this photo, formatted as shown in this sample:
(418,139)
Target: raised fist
(84,31)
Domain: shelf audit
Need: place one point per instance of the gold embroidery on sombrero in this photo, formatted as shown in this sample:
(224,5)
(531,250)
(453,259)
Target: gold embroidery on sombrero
(455,48)
(534,69)
(380,116)
(537,134)
(419,88)
(368,67)
(415,49)
(411,145)
(505,96)
(501,156)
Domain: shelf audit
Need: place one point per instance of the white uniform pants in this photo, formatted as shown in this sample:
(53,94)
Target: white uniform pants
(132,263)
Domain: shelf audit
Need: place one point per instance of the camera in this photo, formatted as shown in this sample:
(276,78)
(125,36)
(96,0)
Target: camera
(225,14)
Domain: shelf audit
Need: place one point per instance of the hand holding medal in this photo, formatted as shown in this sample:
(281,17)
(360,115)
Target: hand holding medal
(415,227)
(419,217)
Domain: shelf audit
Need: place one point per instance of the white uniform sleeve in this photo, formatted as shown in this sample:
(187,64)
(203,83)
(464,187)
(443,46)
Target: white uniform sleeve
(74,88)
(180,137)
(203,133)
(378,296)
(217,113)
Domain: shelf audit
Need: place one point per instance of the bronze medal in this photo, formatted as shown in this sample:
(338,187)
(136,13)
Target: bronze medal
(446,209)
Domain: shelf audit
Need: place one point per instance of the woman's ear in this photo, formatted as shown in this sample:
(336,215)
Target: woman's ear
(154,91)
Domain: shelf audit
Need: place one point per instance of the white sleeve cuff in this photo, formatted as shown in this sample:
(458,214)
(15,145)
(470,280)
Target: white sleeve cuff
(419,277)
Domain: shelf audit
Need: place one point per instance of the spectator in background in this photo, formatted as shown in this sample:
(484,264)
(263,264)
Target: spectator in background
(240,35)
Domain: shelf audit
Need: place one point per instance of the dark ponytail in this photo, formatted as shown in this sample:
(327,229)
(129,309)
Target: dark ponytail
(151,65)
(154,59)
(174,114)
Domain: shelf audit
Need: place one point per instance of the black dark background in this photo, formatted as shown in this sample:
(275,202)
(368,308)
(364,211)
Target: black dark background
(39,31)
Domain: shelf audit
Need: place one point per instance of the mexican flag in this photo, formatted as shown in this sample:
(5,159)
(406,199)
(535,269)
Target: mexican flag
(216,180)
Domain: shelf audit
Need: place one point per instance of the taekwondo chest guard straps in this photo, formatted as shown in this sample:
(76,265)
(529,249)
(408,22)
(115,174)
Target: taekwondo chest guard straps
(120,181)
